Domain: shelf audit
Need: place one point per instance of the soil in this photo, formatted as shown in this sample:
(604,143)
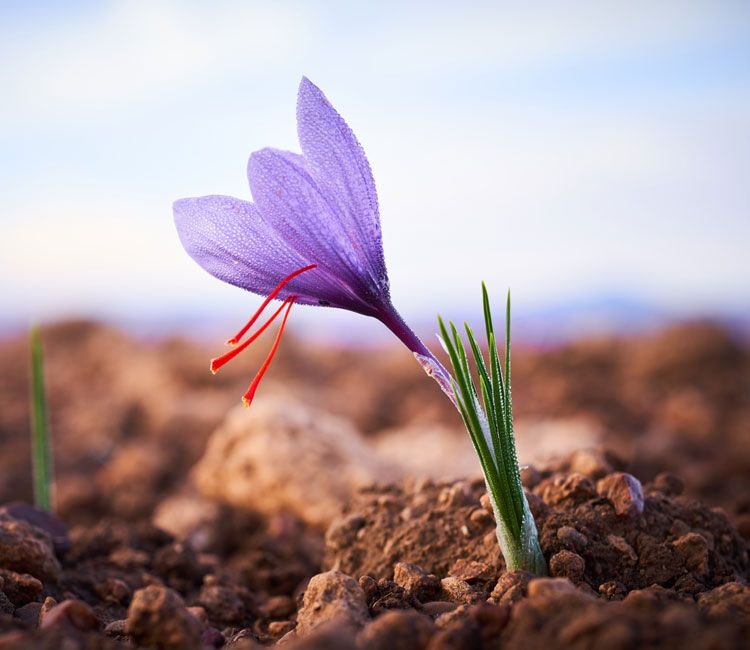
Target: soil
(646,536)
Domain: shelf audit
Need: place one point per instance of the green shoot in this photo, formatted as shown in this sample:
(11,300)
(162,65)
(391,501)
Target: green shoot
(490,426)
(41,447)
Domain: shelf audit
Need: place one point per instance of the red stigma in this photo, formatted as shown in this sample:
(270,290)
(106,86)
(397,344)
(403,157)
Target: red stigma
(220,361)
(236,338)
(247,398)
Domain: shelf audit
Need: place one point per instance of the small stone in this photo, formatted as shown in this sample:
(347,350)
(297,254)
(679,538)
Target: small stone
(70,613)
(397,630)
(567,564)
(390,596)
(511,587)
(573,488)
(46,521)
(114,590)
(277,629)
(486,503)
(332,596)
(29,613)
(27,549)
(572,539)
(117,628)
(668,484)
(212,638)
(158,618)
(613,590)
(693,550)
(624,492)
(590,462)
(621,546)
(551,587)
(436,608)
(222,603)
(20,588)
(46,607)
(459,591)
(416,581)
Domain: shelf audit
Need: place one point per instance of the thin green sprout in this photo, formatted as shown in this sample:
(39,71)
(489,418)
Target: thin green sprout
(41,444)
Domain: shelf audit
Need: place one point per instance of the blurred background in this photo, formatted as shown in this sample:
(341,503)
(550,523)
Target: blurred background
(592,156)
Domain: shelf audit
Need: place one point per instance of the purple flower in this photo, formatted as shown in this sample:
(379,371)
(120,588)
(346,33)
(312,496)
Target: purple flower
(312,235)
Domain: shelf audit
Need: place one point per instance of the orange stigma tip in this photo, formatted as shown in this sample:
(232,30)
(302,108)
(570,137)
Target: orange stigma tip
(238,337)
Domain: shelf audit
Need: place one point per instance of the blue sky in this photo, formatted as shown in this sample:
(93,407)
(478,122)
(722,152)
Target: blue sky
(568,150)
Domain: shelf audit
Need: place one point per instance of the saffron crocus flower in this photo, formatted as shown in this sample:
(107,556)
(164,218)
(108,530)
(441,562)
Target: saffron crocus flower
(312,235)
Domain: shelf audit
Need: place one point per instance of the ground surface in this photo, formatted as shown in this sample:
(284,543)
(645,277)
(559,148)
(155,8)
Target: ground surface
(185,526)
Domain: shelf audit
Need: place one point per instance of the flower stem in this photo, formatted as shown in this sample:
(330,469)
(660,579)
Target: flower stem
(393,321)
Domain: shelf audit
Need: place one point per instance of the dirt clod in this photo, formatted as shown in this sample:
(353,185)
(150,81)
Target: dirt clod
(459,591)
(332,596)
(416,581)
(571,538)
(566,564)
(624,492)
(511,587)
(73,613)
(27,549)
(397,630)
(157,617)
(246,462)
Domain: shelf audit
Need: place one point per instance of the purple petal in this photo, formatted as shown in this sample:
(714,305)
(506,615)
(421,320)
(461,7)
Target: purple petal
(292,202)
(339,166)
(229,239)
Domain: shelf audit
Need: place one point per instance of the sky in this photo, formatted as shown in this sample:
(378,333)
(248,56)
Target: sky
(582,153)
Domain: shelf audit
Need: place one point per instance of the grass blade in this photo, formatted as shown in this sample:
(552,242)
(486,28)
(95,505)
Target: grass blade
(41,447)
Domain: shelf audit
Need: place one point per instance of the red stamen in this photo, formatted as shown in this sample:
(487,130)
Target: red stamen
(247,398)
(236,338)
(218,362)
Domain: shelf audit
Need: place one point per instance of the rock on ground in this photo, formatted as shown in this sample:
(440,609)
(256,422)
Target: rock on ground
(26,549)
(273,457)
(158,618)
(332,597)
